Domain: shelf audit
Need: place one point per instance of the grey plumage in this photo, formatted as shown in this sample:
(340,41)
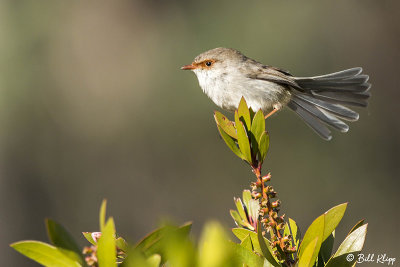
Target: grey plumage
(320,100)
(226,75)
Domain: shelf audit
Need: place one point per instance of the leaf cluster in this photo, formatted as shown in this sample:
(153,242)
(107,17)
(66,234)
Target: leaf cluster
(246,135)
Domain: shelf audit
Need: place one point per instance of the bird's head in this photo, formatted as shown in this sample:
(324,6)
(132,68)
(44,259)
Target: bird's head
(213,66)
(215,60)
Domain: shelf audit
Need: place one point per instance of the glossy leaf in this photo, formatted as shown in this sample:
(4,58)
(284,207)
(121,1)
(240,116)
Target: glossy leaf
(332,219)
(240,208)
(246,243)
(257,128)
(265,248)
(247,257)
(263,146)
(236,217)
(244,114)
(358,224)
(326,249)
(44,254)
(243,139)
(60,238)
(314,232)
(102,214)
(242,233)
(106,246)
(225,124)
(246,196)
(307,258)
(88,236)
(353,244)
(230,142)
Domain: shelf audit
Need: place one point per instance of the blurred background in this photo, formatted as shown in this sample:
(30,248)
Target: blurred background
(93,105)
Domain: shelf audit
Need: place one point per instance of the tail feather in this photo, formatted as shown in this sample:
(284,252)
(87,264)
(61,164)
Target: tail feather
(336,109)
(346,98)
(350,80)
(321,115)
(313,122)
(320,100)
(336,75)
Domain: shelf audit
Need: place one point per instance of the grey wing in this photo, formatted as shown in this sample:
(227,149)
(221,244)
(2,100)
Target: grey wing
(275,75)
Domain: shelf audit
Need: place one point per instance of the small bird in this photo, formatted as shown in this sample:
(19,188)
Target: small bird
(226,75)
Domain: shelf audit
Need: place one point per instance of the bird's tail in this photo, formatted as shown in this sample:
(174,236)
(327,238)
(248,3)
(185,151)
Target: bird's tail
(321,100)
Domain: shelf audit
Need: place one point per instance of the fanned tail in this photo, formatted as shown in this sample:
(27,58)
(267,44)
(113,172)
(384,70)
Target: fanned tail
(321,99)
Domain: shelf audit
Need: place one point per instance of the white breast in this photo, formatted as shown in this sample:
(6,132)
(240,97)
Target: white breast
(227,88)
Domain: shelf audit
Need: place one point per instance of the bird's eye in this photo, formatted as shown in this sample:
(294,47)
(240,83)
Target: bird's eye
(208,63)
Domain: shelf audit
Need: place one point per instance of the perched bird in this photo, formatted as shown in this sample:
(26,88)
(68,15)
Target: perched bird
(226,75)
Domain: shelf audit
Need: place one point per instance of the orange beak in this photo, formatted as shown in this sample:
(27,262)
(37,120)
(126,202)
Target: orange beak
(189,67)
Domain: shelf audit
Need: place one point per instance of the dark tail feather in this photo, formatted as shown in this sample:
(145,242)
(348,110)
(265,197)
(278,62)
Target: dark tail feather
(312,121)
(321,99)
(321,115)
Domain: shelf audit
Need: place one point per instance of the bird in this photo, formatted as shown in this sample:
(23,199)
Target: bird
(226,75)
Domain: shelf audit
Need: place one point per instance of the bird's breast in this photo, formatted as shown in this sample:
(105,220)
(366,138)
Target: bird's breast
(226,90)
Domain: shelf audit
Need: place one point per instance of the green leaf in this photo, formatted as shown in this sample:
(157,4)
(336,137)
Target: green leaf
(88,236)
(102,215)
(136,258)
(239,221)
(214,247)
(246,243)
(246,257)
(153,243)
(332,219)
(44,254)
(154,260)
(60,238)
(358,224)
(265,248)
(106,248)
(226,125)
(121,244)
(243,140)
(242,233)
(294,231)
(326,249)
(244,114)
(239,207)
(230,142)
(307,258)
(246,197)
(263,146)
(353,244)
(257,128)
(314,232)
(178,249)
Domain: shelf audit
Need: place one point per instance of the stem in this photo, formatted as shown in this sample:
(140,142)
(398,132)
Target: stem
(271,215)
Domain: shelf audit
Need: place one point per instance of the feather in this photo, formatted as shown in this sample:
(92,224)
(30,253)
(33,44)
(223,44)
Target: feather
(311,121)
(336,109)
(322,115)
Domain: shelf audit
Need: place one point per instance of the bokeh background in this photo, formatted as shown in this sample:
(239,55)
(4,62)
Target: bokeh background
(93,105)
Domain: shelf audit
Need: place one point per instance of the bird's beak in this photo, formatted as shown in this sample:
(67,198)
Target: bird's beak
(189,67)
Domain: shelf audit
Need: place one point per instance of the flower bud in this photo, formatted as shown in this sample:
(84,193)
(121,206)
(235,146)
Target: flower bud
(276,204)
(266,178)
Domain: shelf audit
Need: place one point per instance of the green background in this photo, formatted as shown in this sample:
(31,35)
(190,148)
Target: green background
(93,105)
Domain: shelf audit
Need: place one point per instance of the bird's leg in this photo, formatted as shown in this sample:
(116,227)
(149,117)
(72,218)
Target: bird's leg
(272,112)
